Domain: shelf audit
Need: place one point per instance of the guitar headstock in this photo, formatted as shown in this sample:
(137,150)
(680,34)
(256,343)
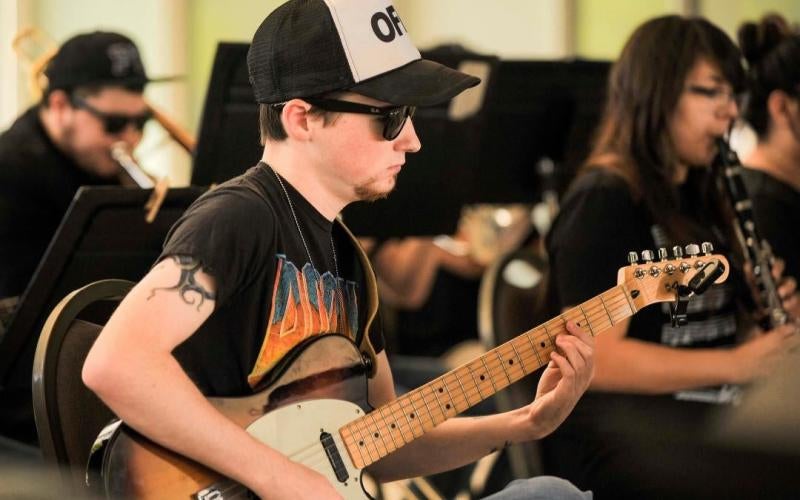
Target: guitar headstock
(652,280)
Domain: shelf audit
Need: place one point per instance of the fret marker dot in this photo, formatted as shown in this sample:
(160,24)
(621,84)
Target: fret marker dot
(483,378)
(411,415)
(393,426)
(447,406)
(441,390)
(510,361)
(542,344)
(361,443)
(376,434)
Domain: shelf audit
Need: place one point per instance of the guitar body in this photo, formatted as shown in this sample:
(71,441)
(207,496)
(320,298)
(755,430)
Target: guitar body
(321,389)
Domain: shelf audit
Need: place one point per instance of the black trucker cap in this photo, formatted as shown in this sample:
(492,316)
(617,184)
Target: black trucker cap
(309,47)
(97,58)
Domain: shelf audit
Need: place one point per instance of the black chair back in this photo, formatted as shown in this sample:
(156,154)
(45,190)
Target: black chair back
(68,415)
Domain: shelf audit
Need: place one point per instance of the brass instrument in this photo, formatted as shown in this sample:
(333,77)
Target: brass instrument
(121,154)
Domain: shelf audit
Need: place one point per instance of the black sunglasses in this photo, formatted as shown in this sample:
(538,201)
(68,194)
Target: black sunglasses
(393,117)
(113,123)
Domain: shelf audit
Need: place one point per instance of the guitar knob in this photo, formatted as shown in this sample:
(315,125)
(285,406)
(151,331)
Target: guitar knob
(647,255)
(677,252)
(707,248)
(633,258)
(692,249)
(662,254)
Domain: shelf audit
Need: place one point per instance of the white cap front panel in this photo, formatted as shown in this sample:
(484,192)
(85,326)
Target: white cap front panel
(374,38)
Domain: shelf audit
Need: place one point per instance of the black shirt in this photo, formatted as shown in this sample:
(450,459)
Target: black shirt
(776,207)
(598,445)
(37,184)
(269,296)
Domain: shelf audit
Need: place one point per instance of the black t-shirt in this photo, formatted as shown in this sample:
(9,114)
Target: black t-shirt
(37,184)
(598,224)
(269,296)
(776,207)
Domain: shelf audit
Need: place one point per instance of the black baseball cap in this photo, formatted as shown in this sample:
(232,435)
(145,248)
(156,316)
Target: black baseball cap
(310,47)
(97,58)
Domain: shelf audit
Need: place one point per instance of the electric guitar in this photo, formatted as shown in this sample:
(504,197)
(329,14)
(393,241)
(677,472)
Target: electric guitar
(316,412)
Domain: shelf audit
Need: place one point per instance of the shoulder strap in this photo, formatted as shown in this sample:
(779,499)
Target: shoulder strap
(365,346)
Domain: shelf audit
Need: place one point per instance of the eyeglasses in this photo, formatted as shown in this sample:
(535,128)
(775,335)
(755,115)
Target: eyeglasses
(113,123)
(393,117)
(718,95)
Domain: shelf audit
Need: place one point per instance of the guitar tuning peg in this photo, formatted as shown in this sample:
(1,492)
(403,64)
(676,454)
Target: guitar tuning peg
(677,252)
(662,253)
(647,255)
(692,249)
(707,248)
(633,258)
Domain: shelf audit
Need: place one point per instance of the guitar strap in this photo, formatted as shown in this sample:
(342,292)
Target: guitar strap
(371,282)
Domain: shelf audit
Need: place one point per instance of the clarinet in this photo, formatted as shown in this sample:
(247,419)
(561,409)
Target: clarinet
(755,250)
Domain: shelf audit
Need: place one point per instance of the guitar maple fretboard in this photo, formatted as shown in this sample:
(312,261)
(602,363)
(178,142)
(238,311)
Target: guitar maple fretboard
(411,415)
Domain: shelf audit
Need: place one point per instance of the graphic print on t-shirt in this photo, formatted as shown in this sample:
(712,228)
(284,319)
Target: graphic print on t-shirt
(304,304)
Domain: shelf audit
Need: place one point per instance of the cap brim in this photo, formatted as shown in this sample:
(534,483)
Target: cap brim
(170,78)
(418,83)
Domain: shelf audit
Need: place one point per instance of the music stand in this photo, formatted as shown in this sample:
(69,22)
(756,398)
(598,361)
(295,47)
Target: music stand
(228,142)
(102,235)
(535,110)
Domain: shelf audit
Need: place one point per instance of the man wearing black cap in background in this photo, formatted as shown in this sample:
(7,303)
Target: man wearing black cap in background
(92,100)
(260,265)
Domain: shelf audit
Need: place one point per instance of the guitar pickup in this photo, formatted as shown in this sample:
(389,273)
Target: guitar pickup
(334,458)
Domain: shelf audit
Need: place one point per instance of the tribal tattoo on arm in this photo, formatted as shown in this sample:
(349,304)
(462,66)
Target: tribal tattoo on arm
(186,283)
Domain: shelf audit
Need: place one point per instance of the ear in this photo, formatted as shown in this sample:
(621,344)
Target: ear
(296,120)
(59,107)
(58,100)
(778,106)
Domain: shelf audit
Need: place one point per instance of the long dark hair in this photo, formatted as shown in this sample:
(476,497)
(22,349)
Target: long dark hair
(644,86)
(772,51)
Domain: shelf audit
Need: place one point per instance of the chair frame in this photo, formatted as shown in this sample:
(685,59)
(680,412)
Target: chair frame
(46,414)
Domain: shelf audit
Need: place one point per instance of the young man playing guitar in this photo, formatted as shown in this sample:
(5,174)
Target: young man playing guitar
(260,267)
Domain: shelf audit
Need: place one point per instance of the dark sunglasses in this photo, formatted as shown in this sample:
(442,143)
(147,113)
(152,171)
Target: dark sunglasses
(393,117)
(113,123)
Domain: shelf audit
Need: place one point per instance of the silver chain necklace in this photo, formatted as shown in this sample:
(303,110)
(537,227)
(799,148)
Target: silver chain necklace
(300,231)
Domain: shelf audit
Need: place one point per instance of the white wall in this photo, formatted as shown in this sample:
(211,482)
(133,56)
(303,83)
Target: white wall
(13,15)
(512,29)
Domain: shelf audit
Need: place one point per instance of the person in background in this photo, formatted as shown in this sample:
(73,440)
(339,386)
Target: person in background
(92,100)
(648,183)
(772,51)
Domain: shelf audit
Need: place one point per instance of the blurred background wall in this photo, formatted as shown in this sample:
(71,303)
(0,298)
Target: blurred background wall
(180,37)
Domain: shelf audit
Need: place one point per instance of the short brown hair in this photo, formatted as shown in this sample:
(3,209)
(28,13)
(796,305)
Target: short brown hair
(271,127)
